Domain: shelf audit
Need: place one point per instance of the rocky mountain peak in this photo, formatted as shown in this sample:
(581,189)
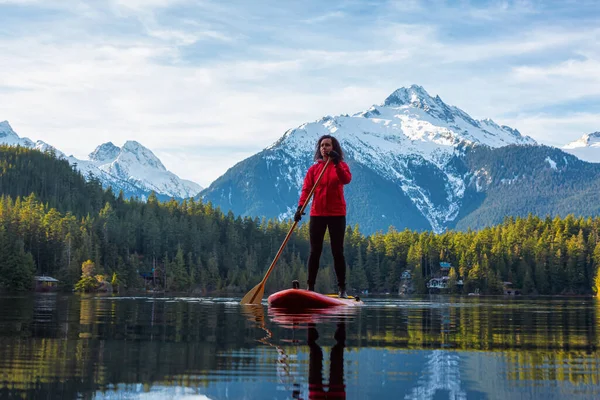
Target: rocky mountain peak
(414,95)
(6,130)
(587,140)
(105,152)
(143,155)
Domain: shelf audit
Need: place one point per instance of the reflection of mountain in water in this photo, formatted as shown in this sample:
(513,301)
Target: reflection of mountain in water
(442,374)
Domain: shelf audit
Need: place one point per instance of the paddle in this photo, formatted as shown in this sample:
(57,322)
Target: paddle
(255,295)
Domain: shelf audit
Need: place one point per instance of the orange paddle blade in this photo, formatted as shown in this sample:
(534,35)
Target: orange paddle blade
(255,295)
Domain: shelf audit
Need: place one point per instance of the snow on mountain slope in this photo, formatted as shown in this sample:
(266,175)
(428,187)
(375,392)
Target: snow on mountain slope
(586,148)
(137,165)
(10,138)
(106,152)
(132,168)
(411,131)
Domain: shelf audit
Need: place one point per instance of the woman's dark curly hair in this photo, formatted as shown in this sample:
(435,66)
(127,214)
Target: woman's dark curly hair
(336,147)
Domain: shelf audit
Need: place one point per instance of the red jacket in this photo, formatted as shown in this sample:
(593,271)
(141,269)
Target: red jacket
(328,199)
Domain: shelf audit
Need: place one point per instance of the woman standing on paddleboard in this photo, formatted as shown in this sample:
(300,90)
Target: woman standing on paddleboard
(328,210)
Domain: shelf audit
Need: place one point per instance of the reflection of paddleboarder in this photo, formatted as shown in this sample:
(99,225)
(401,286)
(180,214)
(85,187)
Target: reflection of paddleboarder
(316,388)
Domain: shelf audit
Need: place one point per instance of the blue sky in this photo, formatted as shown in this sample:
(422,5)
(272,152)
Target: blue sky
(205,84)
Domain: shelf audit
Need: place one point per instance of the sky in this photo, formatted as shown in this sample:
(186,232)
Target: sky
(205,84)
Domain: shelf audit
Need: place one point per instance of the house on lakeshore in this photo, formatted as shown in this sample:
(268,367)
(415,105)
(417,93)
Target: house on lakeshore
(45,283)
(406,285)
(441,282)
(508,290)
(438,283)
(153,281)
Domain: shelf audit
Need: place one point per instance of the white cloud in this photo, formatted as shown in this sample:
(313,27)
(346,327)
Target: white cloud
(325,17)
(502,10)
(517,44)
(586,71)
(144,5)
(103,94)
(407,5)
(20,2)
(554,130)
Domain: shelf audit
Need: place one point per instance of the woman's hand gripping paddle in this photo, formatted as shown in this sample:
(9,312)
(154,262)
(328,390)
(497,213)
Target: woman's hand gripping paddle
(255,295)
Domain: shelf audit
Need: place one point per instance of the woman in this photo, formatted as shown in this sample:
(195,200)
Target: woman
(328,210)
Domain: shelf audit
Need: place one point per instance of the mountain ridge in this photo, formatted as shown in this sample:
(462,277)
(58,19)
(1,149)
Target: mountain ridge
(132,168)
(415,145)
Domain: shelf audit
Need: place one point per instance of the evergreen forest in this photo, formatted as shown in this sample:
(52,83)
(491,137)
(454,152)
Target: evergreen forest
(53,222)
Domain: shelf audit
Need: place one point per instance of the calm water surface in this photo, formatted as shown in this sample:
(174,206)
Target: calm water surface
(55,346)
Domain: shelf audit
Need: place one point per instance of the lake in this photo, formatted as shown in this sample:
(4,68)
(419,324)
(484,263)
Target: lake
(64,346)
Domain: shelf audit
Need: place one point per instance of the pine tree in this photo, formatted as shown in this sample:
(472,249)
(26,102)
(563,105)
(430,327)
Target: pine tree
(596,258)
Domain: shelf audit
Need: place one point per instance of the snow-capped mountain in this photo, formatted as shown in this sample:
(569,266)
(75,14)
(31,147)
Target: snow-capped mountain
(132,168)
(10,138)
(586,147)
(138,166)
(402,154)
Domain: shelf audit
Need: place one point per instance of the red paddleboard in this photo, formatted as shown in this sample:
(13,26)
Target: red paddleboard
(300,299)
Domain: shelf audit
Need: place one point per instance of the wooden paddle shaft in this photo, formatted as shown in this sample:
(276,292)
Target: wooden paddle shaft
(312,191)
(289,234)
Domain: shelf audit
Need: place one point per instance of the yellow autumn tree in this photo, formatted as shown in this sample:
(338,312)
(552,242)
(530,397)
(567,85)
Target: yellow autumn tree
(88,282)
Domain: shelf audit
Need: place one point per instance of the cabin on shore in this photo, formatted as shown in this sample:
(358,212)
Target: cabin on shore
(438,283)
(509,290)
(45,283)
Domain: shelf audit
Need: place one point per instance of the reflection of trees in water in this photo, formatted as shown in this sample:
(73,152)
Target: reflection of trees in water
(491,325)
(571,366)
(106,342)
(85,344)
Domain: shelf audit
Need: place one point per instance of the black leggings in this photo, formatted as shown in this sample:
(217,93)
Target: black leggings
(337,229)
